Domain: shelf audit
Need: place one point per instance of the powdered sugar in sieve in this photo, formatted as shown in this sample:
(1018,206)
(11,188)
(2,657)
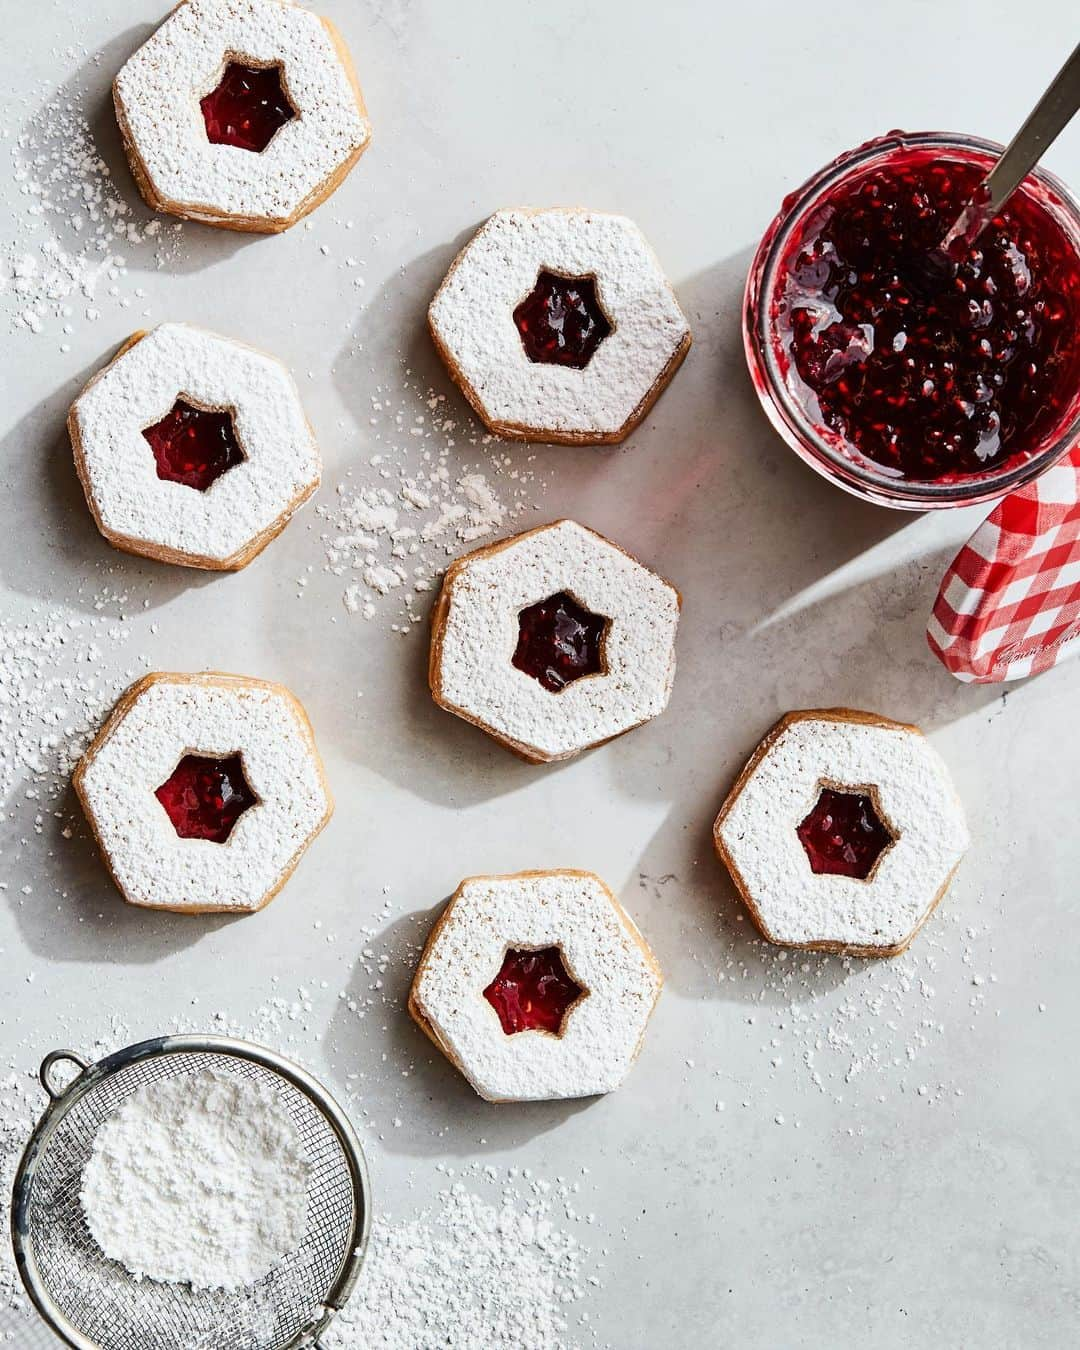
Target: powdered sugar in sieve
(201,1179)
(232,1137)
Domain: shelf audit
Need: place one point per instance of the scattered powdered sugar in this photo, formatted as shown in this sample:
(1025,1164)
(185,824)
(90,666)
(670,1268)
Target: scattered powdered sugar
(471,1273)
(838,1019)
(20,1103)
(57,680)
(200,1179)
(393,537)
(70,251)
(887,1022)
(60,673)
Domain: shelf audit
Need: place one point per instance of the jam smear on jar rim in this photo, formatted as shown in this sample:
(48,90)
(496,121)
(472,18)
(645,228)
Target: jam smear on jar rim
(559,641)
(844,835)
(204,796)
(194,446)
(931,376)
(533,991)
(248,107)
(561,321)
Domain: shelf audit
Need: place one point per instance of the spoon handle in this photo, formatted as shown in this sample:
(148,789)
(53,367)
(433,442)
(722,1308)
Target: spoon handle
(1047,119)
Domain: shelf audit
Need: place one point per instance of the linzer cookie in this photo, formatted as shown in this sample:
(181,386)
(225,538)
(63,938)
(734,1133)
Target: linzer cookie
(559,325)
(192,448)
(203,791)
(842,833)
(536,986)
(553,641)
(241,113)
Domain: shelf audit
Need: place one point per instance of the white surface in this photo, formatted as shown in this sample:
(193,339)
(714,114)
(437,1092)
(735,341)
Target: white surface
(922,1190)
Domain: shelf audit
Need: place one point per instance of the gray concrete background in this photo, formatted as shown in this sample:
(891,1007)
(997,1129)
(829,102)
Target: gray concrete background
(808,1153)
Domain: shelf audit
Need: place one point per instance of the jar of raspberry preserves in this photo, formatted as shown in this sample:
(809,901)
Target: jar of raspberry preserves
(910,389)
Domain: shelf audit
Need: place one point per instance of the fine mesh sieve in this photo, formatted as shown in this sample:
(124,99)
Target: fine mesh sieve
(94,1303)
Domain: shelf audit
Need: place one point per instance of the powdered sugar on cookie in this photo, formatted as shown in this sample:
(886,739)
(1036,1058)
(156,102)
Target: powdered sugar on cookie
(477,631)
(601,948)
(199,1179)
(157,97)
(757,832)
(166,717)
(472,321)
(228,523)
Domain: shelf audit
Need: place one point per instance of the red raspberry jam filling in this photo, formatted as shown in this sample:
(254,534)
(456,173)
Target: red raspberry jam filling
(559,641)
(205,797)
(932,376)
(844,835)
(561,322)
(194,446)
(532,991)
(247,108)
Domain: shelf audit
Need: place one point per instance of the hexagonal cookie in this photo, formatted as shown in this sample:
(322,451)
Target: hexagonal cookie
(559,326)
(192,448)
(553,641)
(241,113)
(536,986)
(842,833)
(203,791)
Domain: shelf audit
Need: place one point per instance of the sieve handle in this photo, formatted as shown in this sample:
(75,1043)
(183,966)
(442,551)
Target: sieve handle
(49,1063)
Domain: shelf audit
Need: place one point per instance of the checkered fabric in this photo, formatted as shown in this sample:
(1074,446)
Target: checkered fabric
(1009,605)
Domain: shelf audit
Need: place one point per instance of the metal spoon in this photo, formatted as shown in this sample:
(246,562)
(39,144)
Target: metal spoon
(1046,121)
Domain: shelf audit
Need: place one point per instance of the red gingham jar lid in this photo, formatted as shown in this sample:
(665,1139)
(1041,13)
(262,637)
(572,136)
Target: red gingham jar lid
(1009,604)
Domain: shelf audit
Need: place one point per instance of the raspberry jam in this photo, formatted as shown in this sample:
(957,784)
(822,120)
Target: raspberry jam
(559,641)
(532,991)
(844,835)
(932,376)
(205,797)
(194,446)
(248,107)
(561,323)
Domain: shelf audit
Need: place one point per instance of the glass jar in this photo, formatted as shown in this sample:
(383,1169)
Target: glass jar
(791,404)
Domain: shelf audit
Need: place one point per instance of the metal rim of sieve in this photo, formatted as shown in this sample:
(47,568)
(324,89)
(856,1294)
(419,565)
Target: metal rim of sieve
(91,1075)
